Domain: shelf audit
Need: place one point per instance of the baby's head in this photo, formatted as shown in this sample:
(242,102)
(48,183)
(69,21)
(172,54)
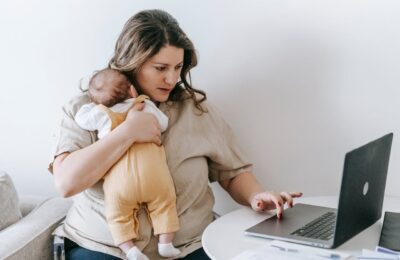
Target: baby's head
(109,87)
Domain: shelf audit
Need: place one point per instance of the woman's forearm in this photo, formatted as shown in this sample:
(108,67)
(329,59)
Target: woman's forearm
(242,187)
(79,170)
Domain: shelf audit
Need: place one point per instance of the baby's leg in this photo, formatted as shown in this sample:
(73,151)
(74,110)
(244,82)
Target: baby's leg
(166,238)
(131,251)
(121,209)
(165,246)
(165,222)
(161,199)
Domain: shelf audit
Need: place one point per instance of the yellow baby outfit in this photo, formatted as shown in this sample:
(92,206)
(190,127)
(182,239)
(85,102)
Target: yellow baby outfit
(140,176)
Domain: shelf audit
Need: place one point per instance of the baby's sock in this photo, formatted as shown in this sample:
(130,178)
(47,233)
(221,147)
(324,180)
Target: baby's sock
(168,250)
(135,254)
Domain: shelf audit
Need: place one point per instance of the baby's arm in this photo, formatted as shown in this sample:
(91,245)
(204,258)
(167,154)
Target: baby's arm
(84,119)
(91,118)
(151,108)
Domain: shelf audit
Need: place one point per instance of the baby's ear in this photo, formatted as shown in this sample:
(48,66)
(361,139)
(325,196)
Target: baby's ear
(133,91)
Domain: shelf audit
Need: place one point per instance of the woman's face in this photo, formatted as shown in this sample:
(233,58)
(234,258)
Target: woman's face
(160,73)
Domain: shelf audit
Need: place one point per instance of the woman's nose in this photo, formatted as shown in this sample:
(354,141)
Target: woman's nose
(171,78)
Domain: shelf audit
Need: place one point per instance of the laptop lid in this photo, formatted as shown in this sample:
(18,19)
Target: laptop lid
(360,202)
(363,188)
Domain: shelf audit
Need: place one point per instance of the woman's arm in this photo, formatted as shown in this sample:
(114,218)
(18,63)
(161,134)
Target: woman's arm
(79,170)
(246,190)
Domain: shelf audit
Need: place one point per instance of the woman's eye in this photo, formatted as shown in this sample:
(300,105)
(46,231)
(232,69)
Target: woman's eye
(160,68)
(178,67)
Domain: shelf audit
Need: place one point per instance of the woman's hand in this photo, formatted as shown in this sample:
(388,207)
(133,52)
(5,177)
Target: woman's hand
(268,200)
(245,189)
(142,127)
(81,169)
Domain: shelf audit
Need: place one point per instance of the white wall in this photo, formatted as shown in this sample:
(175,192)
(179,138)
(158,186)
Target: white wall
(301,82)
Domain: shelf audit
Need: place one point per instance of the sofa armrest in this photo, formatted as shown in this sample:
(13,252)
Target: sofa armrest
(30,238)
(27,203)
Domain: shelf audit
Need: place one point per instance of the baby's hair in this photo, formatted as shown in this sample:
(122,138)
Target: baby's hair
(108,87)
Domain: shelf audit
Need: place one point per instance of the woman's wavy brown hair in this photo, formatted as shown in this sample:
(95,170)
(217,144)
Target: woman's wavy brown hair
(142,37)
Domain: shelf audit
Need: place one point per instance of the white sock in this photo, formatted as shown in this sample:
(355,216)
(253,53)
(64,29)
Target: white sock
(168,250)
(135,254)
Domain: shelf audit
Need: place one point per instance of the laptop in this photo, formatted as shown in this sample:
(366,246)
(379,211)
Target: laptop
(360,203)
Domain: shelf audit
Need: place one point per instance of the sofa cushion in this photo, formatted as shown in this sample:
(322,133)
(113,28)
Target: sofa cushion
(9,205)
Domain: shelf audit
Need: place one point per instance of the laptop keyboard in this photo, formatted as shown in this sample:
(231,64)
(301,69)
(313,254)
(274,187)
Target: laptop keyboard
(322,227)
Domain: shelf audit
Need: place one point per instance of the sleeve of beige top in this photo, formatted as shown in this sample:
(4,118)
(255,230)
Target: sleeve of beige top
(226,159)
(70,136)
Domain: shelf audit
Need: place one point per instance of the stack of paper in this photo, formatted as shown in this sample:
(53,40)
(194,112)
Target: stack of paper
(279,250)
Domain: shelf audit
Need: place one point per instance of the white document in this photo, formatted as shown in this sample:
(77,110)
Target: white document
(280,250)
(380,253)
(369,254)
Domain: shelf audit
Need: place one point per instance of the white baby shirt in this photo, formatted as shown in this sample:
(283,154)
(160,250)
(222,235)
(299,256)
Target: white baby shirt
(90,117)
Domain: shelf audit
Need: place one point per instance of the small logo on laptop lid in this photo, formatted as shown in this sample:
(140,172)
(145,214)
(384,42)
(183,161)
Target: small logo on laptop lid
(365,189)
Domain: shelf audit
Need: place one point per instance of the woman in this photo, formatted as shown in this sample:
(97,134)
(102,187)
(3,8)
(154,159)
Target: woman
(156,56)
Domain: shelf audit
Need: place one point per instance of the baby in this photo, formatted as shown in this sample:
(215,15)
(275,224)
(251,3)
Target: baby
(140,176)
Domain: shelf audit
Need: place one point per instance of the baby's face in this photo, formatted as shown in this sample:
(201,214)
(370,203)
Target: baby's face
(120,83)
(109,87)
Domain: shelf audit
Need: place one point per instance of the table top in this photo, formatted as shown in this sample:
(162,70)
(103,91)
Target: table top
(224,238)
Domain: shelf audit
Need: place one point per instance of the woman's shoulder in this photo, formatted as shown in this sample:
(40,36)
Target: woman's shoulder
(188,102)
(207,106)
(204,110)
(75,103)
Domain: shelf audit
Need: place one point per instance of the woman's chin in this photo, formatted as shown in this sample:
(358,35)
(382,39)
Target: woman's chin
(160,98)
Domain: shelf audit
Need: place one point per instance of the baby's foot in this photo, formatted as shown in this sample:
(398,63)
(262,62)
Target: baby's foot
(135,254)
(168,250)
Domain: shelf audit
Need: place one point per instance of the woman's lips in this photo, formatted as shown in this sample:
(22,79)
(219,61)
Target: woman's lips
(165,90)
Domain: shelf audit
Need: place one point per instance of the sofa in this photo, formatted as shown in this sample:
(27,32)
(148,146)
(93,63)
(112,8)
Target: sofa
(26,222)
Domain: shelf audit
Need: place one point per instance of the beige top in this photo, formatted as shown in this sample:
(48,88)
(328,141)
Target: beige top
(199,148)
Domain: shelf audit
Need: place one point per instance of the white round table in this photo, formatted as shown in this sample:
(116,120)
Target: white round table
(224,238)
